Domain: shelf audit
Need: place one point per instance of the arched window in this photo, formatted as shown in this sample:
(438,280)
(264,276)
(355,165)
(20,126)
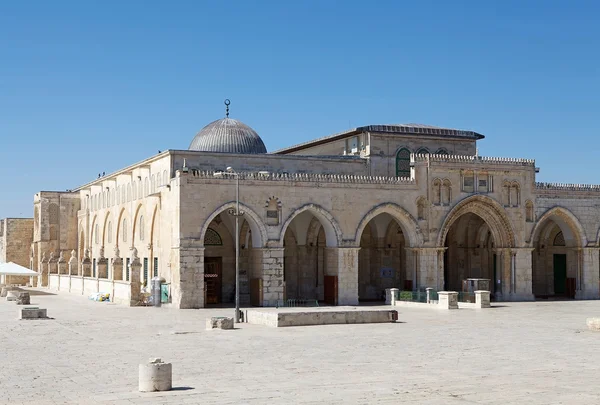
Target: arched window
(153,185)
(124,229)
(165,178)
(422,151)
(437,192)
(118,195)
(515,194)
(129,192)
(446,192)
(141,225)
(146,187)
(140,190)
(97,234)
(134,196)
(403,163)
(109,230)
(422,208)
(442,151)
(559,239)
(529,211)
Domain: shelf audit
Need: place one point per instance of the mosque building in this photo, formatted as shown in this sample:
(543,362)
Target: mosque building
(337,219)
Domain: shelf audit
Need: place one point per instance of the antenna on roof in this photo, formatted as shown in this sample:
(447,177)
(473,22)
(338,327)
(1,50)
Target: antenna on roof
(227,102)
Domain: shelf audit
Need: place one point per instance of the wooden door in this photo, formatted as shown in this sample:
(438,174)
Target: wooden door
(212,279)
(560,274)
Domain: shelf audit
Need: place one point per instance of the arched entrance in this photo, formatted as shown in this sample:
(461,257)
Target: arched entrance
(477,237)
(383,235)
(309,235)
(556,260)
(218,237)
(381,259)
(469,252)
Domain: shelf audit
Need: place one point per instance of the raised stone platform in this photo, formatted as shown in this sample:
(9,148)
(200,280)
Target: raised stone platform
(32,313)
(281,317)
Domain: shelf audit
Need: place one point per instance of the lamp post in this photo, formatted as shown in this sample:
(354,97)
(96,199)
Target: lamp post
(237,214)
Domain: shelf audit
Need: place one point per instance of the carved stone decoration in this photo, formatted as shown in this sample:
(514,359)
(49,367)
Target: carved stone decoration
(101,252)
(43,257)
(51,259)
(117,252)
(273,211)
(134,254)
(86,253)
(61,257)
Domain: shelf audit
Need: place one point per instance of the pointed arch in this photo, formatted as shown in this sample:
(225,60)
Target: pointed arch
(119,235)
(107,220)
(568,223)
(91,240)
(487,209)
(259,231)
(407,222)
(134,224)
(333,232)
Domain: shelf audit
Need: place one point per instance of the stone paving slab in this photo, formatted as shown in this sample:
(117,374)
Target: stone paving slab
(534,353)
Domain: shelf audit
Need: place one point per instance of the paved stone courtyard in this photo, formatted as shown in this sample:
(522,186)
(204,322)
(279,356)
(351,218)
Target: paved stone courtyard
(89,354)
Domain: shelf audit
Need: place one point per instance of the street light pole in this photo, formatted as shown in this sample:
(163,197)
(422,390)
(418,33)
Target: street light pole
(237,249)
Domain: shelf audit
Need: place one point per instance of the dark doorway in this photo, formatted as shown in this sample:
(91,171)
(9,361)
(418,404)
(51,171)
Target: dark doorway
(212,280)
(560,274)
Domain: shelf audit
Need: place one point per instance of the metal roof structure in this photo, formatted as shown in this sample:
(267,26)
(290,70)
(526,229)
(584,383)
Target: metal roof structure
(227,135)
(396,129)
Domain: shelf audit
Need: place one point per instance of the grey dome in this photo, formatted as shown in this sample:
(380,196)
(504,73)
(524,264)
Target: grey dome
(229,136)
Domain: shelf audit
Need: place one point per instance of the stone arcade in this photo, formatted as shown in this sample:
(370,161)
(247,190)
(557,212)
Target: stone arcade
(338,219)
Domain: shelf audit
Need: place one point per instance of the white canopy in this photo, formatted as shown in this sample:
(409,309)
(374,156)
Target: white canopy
(13,269)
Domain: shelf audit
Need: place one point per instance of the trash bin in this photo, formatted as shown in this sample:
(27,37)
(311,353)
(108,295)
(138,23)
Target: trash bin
(156,290)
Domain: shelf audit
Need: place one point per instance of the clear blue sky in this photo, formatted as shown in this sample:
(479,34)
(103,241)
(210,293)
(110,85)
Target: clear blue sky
(93,86)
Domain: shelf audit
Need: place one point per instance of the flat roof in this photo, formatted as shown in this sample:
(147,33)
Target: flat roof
(395,129)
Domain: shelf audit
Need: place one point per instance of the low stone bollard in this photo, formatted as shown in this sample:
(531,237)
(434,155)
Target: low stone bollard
(155,376)
(219,322)
(32,313)
(23,298)
(448,299)
(593,324)
(482,299)
(390,294)
(393,295)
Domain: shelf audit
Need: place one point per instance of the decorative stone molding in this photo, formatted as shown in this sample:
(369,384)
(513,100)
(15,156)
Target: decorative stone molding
(472,159)
(309,177)
(567,186)
(490,211)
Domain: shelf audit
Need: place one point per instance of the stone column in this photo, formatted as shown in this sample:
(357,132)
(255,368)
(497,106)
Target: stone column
(188,276)
(272,276)
(503,273)
(430,267)
(134,278)
(86,264)
(590,278)
(523,285)
(348,275)
(117,266)
(43,277)
(61,264)
(102,267)
(73,268)
(52,264)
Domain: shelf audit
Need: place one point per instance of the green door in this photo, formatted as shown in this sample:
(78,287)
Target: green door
(560,274)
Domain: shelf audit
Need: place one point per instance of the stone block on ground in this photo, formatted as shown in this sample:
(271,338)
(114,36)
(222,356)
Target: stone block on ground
(11,295)
(448,300)
(219,322)
(155,376)
(23,298)
(32,313)
(593,324)
(6,289)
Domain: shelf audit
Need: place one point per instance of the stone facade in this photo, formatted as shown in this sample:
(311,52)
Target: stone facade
(338,219)
(16,235)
